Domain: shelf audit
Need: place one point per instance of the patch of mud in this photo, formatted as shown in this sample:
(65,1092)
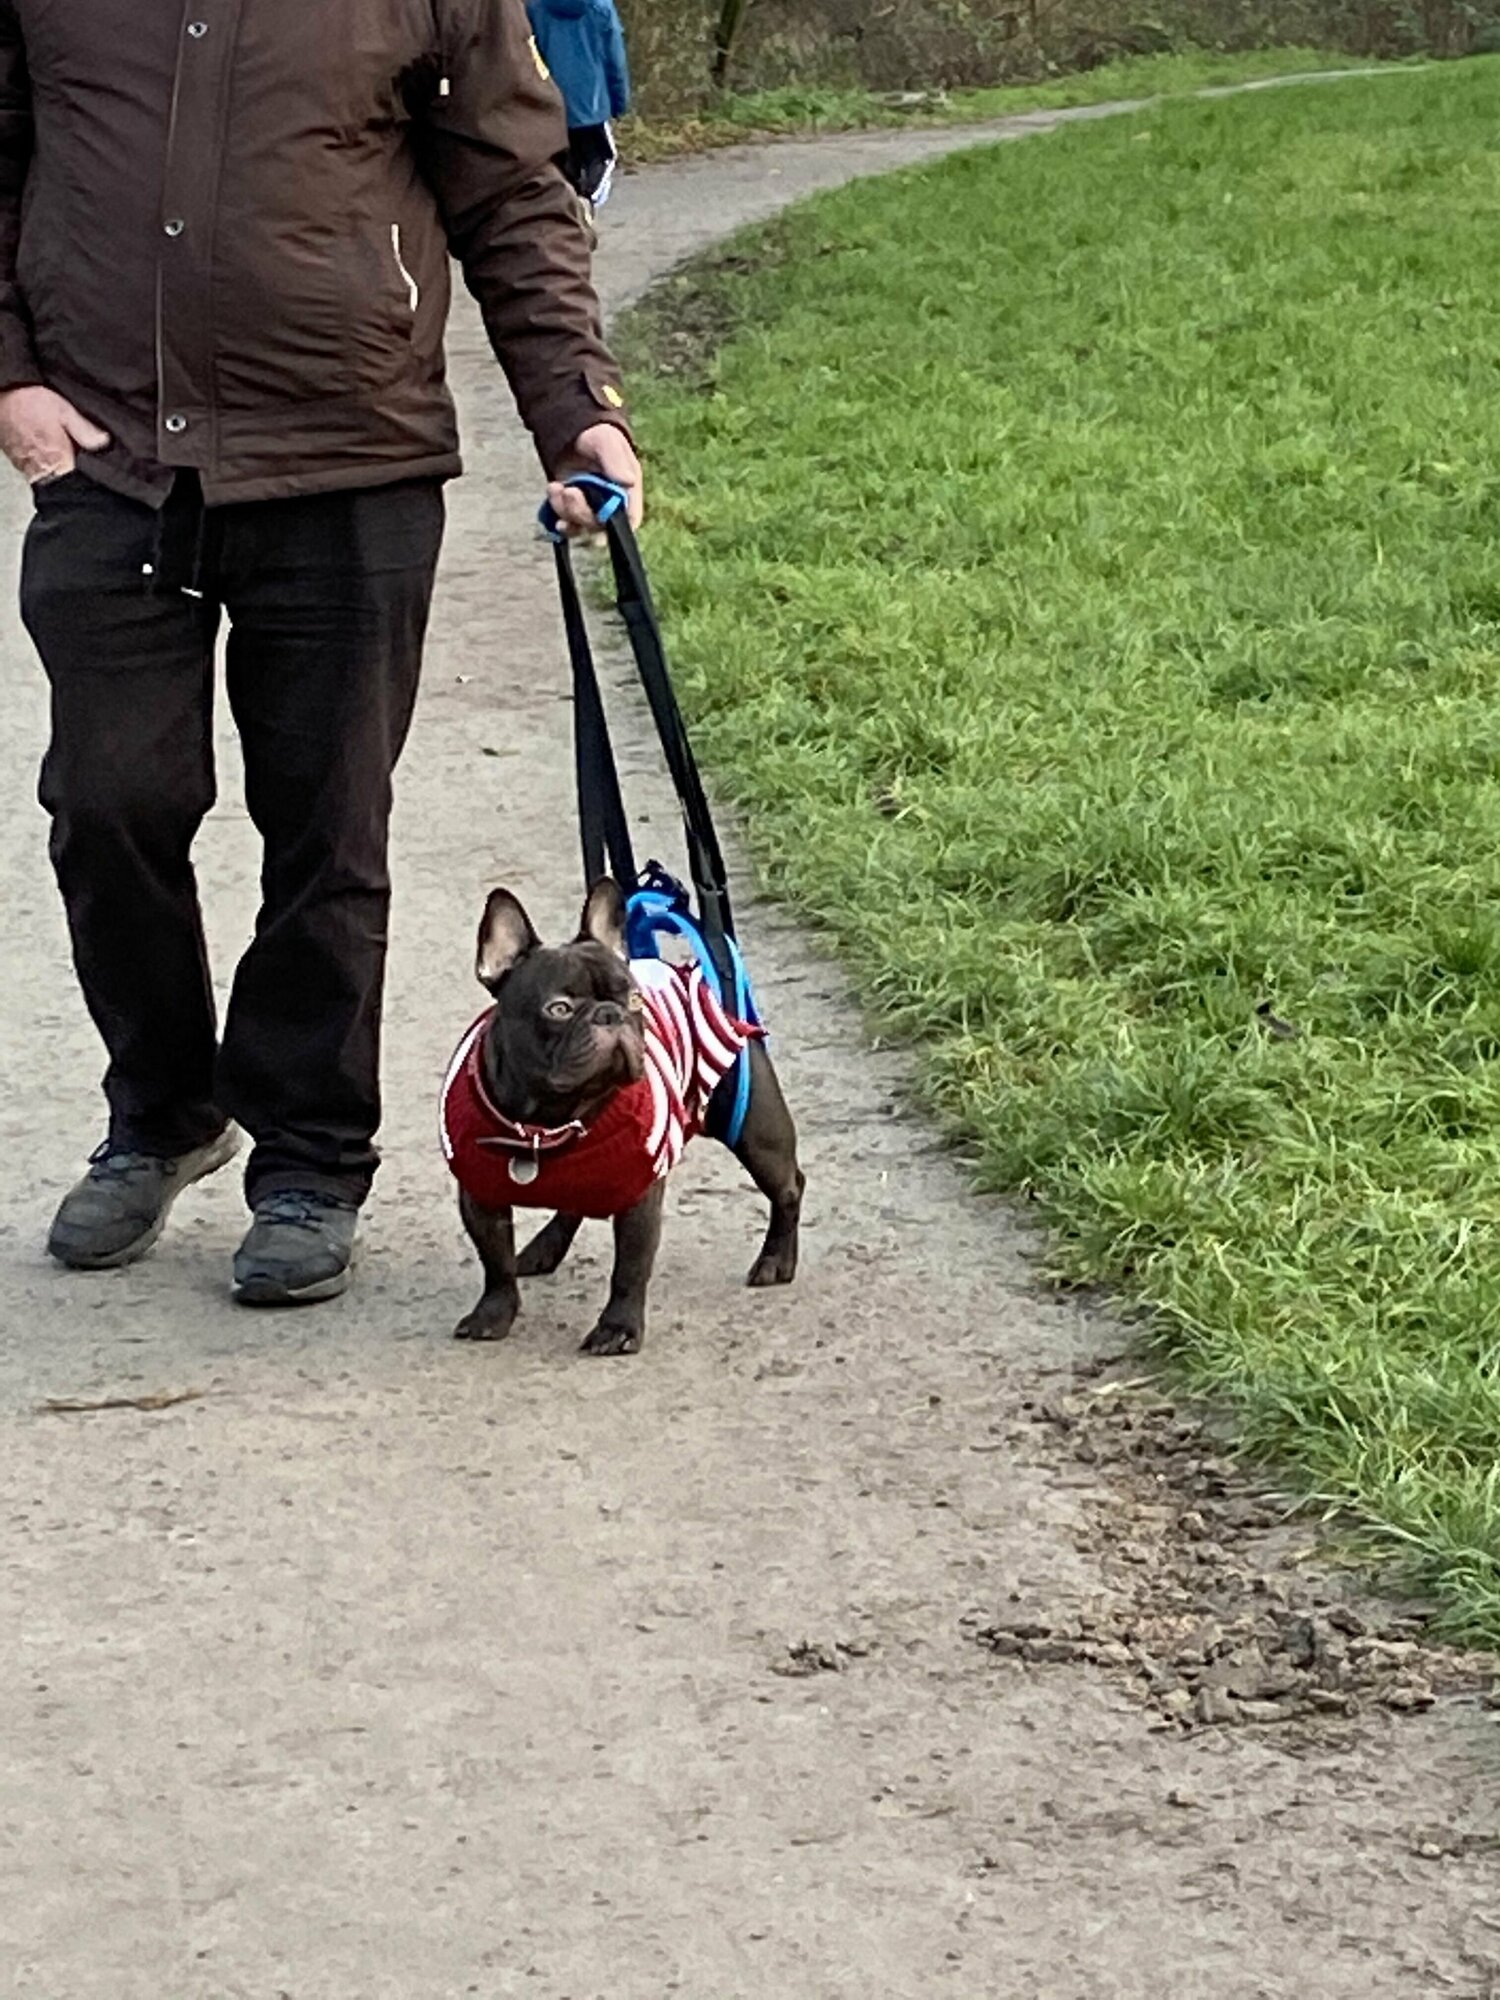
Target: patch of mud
(1205,1616)
(820,1656)
(680,328)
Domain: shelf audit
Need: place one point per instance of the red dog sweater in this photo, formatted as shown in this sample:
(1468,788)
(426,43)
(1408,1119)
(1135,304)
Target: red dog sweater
(602,1169)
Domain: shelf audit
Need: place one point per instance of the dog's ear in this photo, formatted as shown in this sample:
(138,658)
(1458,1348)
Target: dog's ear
(505,936)
(604,916)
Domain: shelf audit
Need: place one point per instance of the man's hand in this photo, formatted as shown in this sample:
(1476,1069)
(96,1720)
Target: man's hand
(603,448)
(42,434)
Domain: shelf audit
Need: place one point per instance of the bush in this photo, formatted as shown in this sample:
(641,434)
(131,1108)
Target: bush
(919,44)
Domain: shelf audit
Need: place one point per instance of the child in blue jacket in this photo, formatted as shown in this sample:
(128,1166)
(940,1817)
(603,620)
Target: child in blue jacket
(583,44)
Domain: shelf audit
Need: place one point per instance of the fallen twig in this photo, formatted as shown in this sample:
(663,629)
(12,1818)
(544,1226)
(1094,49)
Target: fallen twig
(155,1399)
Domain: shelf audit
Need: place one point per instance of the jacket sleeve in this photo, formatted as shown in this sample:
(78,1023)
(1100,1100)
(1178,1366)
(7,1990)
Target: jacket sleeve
(18,362)
(616,65)
(491,143)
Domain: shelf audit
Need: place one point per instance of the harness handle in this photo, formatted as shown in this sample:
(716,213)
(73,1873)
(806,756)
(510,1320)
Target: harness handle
(603,823)
(603,495)
(606,828)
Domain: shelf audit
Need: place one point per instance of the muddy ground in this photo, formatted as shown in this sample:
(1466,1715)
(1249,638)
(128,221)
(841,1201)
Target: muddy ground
(881,1638)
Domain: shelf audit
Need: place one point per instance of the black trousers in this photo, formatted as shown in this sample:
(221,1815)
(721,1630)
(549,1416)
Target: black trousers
(327,599)
(591,159)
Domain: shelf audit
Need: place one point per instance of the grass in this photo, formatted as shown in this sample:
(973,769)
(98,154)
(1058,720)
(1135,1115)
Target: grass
(1083,562)
(763,114)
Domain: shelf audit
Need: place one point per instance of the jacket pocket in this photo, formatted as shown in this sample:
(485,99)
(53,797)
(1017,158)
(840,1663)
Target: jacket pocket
(383,297)
(413,289)
(314,313)
(60,488)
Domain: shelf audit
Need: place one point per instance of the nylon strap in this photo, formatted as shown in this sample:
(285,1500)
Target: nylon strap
(605,827)
(602,821)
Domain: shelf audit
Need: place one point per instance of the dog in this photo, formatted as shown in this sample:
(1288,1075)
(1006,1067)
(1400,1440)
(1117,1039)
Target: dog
(578,1090)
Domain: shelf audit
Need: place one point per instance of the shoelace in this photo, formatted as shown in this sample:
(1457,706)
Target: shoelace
(115,1162)
(294,1209)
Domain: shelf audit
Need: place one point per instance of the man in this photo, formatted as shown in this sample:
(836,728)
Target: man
(224,241)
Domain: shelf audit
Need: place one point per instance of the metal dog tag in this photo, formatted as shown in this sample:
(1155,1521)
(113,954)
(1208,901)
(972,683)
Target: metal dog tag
(524,1169)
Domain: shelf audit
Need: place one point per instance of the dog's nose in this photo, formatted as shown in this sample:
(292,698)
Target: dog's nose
(608,1015)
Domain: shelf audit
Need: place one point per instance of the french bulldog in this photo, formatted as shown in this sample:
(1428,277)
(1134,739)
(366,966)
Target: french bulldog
(577,1091)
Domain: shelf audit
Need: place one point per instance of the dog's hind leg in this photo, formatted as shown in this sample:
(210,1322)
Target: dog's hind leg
(768,1152)
(545,1252)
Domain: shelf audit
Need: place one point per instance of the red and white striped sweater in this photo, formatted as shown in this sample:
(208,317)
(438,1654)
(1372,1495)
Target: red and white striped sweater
(605,1168)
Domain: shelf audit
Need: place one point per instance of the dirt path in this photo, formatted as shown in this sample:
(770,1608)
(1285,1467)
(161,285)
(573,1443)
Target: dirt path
(392,1668)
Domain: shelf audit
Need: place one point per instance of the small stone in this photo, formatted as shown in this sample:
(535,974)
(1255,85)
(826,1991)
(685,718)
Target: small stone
(1212,1706)
(1391,1652)
(1184,1801)
(1408,1697)
(1250,1676)
(1110,1653)
(1177,1705)
(1200,1644)
(1300,1642)
(1329,1700)
(1263,1711)
(1050,1652)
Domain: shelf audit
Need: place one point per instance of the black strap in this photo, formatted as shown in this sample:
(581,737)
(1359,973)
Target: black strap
(606,831)
(602,822)
(633,596)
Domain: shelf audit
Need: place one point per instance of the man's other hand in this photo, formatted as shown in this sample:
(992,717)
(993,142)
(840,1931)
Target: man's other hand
(42,434)
(605,449)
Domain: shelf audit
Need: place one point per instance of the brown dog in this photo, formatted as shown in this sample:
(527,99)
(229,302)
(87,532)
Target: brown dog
(577,1092)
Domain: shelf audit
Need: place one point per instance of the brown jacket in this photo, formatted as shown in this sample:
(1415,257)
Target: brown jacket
(224,233)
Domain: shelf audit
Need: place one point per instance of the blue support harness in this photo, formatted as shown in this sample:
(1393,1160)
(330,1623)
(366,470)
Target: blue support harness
(660,907)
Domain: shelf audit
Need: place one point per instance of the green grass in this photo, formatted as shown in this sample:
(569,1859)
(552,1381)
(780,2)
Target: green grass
(1083,559)
(786,113)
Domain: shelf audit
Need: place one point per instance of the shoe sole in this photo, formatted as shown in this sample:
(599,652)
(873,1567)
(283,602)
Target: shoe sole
(192,1168)
(266,1292)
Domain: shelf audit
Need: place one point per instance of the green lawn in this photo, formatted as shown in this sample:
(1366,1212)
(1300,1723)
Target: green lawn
(782,113)
(1083,558)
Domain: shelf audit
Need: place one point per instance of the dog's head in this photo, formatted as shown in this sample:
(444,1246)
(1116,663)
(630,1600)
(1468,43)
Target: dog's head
(567,1030)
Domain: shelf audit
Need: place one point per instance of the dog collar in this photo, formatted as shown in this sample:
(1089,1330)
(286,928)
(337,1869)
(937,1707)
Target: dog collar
(513,1135)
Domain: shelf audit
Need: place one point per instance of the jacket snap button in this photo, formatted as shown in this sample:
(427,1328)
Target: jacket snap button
(197,29)
(175,227)
(176,425)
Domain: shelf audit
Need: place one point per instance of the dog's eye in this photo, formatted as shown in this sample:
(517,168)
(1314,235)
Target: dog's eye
(560,1010)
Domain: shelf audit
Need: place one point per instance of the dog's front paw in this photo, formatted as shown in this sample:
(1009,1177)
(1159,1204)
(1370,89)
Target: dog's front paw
(615,1336)
(491,1319)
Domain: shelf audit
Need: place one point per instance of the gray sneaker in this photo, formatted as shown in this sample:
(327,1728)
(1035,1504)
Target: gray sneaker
(120,1207)
(298,1251)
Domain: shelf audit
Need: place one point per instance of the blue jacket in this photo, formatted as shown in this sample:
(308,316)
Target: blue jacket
(583,44)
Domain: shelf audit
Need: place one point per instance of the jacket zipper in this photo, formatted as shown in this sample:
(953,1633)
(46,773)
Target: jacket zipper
(160,331)
(413,289)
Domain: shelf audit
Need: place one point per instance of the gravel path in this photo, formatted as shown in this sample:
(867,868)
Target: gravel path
(388,1667)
